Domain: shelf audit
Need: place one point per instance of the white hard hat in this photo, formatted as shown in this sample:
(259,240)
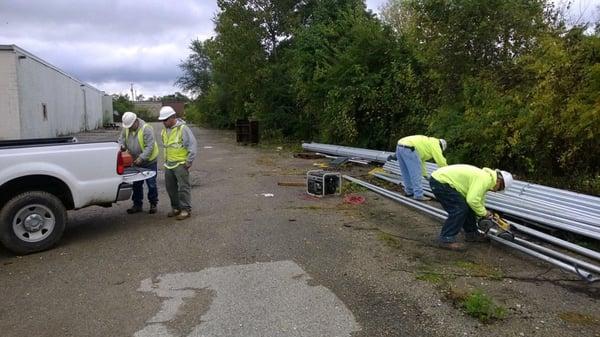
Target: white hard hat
(166,112)
(443,144)
(128,119)
(508,179)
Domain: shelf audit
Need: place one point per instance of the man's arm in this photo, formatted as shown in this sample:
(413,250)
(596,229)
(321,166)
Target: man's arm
(121,139)
(436,153)
(476,197)
(190,143)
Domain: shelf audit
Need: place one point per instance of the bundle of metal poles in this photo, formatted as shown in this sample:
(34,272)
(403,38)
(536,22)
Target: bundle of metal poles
(529,204)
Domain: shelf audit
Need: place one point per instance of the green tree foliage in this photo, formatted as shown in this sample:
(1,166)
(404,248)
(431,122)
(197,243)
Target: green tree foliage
(507,82)
(196,69)
(354,82)
(121,103)
(176,97)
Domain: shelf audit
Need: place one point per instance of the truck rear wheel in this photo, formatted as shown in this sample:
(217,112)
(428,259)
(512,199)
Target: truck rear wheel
(32,221)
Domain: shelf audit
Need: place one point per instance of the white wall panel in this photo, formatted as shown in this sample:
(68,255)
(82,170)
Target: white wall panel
(10,125)
(63,97)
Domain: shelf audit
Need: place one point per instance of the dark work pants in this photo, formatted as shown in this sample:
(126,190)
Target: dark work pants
(138,188)
(460,214)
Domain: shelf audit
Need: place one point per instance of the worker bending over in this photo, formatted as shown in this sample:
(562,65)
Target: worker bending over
(461,190)
(137,138)
(412,152)
(180,150)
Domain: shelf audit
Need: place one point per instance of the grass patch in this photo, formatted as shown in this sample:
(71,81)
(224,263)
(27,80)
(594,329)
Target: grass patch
(350,187)
(432,277)
(389,240)
(579,318)
(434,274)
(476,269)
(481,306)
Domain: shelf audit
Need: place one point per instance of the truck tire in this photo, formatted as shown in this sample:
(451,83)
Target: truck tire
(31,222)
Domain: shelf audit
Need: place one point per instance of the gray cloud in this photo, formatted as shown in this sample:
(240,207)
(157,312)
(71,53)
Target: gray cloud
(112,43)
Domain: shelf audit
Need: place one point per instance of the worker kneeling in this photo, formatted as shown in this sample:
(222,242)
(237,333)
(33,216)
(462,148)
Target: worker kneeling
(461,190)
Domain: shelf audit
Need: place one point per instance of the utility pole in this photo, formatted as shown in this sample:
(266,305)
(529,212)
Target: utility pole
(132,94)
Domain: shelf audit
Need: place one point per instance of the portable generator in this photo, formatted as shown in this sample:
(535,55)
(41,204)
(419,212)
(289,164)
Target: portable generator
(320,183)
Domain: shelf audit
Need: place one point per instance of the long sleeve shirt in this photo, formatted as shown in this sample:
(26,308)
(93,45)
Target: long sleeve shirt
(428,148)
(470,181)
(132,144)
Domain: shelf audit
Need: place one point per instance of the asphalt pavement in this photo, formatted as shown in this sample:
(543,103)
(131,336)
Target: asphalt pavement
(255,259)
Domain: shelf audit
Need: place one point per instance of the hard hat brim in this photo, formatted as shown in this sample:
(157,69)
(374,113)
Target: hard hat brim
(164,118)
(128,125)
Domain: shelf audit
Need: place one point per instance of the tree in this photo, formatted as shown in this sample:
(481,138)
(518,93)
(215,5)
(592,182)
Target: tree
(176,97)
(197,69)
(121,103)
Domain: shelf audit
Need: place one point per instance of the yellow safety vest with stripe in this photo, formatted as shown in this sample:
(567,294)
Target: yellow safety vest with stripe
(140,137)
(175,153)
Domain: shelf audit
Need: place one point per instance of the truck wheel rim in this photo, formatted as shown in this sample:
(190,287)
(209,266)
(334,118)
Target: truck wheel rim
(33,223)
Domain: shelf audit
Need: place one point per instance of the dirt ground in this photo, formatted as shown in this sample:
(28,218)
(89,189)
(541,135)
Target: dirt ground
(538,299)
(378,257)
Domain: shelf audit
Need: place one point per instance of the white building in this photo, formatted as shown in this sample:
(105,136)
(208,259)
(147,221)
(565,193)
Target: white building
(38,100)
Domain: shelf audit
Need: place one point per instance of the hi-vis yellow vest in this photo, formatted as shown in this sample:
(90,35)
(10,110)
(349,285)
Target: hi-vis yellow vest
(175,153)
(140,136)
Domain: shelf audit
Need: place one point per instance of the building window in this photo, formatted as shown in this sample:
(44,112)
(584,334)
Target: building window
(44,111)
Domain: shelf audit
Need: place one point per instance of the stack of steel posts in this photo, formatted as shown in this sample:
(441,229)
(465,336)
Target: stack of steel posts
(538,207)
(586,270)
(529,204)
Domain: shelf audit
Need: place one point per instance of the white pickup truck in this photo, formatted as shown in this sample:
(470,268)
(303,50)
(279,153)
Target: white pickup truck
(40,179)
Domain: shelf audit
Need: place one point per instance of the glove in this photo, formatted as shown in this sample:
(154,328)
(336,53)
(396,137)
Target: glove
(392,157)
(138,161)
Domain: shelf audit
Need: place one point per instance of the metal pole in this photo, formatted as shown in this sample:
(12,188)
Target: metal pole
(440,214)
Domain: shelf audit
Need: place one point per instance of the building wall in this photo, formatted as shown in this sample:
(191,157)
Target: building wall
(69,106)
(107,109)
(179,107)
(150,109)
(10,125)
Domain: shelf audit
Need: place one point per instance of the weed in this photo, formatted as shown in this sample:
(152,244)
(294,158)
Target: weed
(431,277)
(389,240)
(481,306)
(350,187)
(480,270)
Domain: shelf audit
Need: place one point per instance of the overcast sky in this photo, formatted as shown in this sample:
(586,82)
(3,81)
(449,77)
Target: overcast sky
(113,43)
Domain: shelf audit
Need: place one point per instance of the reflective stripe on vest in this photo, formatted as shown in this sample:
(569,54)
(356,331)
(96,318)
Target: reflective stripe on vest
(140,137)
(174,151)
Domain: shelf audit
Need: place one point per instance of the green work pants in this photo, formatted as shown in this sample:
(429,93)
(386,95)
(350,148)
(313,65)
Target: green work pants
(177,181)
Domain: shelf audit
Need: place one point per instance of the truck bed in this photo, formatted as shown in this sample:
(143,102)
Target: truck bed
(37,142)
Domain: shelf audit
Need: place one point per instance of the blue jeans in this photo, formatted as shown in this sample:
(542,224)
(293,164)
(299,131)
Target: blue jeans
(138,188)
(460,214)
(410,167)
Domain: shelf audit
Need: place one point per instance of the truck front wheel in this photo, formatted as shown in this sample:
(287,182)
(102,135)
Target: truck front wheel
(32,221)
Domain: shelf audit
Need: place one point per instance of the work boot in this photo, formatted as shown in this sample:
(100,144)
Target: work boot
(152,209)
(173,212)
(183,215)
(476,237)
(134,209)
(423,198)
(454,246)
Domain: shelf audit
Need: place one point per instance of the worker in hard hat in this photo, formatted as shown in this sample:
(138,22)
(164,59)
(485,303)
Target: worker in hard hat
(412,152)
(137,138)
(461,190)
(180,150)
